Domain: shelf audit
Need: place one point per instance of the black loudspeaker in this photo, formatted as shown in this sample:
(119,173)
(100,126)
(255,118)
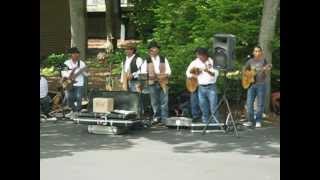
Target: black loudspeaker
(224,51)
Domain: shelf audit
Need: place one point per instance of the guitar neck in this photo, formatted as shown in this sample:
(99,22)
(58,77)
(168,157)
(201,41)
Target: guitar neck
(79,72)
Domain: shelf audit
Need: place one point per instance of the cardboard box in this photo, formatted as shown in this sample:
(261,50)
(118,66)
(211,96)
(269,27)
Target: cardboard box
(102,105)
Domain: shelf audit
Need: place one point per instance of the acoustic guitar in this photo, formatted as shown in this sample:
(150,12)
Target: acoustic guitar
(192,82)
(67,82)
(249,75)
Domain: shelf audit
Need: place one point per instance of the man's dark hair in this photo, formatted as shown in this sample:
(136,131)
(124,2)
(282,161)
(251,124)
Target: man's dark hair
(259,47)
(153,44)
(202,51)
(73,50)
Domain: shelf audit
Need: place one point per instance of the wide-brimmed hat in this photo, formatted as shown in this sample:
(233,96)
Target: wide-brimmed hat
(128,46)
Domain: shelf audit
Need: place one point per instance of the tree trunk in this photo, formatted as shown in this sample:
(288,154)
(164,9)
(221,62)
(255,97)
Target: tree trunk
(267,31)
(116,15)
(112,20)
(109,28)
(78,16)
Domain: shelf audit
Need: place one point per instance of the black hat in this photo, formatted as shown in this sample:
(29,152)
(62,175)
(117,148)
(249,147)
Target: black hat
(202,51)
(73,50)
(153,44)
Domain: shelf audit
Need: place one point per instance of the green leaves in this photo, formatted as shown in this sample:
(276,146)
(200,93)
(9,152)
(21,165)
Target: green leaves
(55,59)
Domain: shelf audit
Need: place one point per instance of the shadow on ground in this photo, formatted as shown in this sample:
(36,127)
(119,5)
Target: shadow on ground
(64,139)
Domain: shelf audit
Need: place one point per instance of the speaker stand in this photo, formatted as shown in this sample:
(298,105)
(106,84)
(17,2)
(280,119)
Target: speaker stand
(229,118)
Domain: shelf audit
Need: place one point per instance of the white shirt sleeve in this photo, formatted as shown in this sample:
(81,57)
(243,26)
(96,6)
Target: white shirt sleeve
(43,87)
(139,63)
(188,74)
(216,72)
(168,69)
(211,69)
(83,65)
(143,69)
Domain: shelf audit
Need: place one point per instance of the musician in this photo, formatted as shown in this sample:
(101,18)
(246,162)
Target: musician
(158,70)
(258,89)
(194,99)
(207,76)
(45,100)
(131,68)
(74,94)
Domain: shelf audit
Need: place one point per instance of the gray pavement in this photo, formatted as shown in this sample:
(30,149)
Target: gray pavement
(68,152)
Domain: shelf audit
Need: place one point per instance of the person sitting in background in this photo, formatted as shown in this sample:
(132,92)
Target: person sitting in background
(44,98)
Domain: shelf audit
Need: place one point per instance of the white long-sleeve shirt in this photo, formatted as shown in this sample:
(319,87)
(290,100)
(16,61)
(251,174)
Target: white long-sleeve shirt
(156,64)
(43,87)
(204,78)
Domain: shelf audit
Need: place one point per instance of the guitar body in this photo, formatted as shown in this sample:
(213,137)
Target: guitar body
(192,84)
(67,82)
(248,78)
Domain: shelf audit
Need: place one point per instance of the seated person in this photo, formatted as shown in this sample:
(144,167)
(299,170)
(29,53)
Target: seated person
(44,98)
(275,101)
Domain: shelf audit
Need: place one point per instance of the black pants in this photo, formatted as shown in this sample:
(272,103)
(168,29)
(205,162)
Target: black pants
(45,105)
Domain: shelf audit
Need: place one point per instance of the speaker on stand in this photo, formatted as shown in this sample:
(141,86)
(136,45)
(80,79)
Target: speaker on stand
(223,56)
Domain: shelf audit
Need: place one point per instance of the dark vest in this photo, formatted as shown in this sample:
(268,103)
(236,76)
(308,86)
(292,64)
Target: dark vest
(133,65)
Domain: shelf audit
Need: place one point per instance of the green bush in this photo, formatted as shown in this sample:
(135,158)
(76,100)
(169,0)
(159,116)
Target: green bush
(55,59)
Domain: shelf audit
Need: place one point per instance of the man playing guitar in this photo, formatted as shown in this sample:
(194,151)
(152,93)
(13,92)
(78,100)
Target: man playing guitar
(74,76)
(202,68)
(258,88)
(158,70)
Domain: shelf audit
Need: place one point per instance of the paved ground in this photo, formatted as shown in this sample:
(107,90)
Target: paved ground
(68,152)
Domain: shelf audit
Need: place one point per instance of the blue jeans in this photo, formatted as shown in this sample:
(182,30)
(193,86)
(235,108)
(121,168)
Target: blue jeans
(194,102)
(159,102)
(208,99)
(74,95)
(259,91)
(132,86)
